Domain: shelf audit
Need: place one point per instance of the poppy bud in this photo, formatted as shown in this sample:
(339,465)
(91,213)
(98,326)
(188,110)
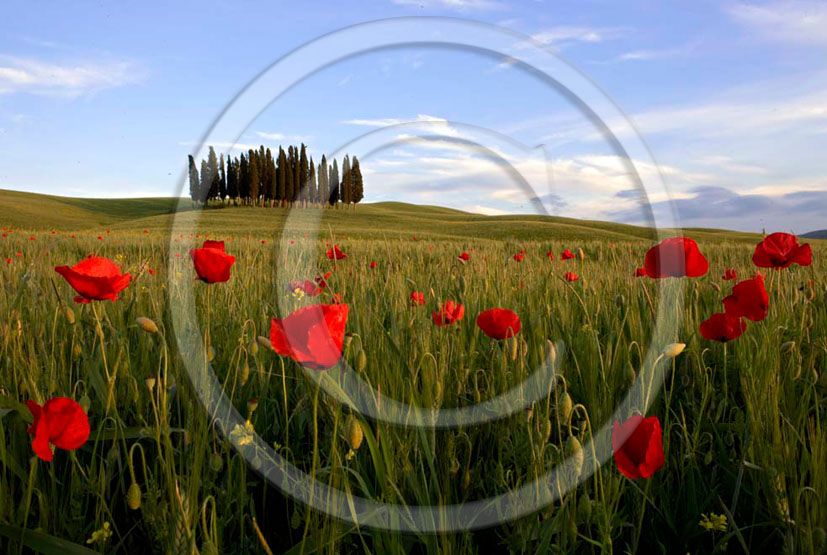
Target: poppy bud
(133,496)
(574,451)
(584,509)
(819,540)
(466,480)
(252,405)
(245,373)
(77,350)
(715,286)
(253,348)
(150,383)
(354,432)
(146,324)
(85,403)
(347,341)
(673,349)
(210,354)
(551,352)
(216,462)
(515,345)
(264,342)
(361,360)
(454,466)
(619,300)
(580,254)
(546,431)
(69,314)
(788,346)
(564,406)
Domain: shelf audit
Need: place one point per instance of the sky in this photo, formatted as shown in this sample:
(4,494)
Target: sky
(107,100)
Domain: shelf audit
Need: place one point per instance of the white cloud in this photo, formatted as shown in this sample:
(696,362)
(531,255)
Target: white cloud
(790,21)
(485,210)
(270,136)
(454,5)
(70,79)
(567,34)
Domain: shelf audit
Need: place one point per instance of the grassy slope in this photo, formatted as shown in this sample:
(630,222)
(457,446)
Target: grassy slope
(390,219)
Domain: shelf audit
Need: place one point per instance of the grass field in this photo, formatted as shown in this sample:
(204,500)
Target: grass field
(743,422)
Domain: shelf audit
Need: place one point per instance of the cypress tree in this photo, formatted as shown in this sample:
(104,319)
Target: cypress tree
(297,179)
(244,179)
(347,185)
(222,184)
(232,179)
(214,178)
(311,183)
(357,189)
(282,177)
(272,184)
(303,171)
(289,187)
(324,189)
(204,189)
(254,177)
(334,184)
(195,182)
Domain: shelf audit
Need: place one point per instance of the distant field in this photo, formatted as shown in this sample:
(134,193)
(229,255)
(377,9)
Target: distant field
(384,219)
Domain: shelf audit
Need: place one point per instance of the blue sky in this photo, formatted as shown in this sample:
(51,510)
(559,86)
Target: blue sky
(731,97)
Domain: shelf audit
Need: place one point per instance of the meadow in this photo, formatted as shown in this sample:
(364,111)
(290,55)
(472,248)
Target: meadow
(744,438)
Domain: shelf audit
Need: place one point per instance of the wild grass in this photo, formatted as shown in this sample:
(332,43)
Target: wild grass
(744,435)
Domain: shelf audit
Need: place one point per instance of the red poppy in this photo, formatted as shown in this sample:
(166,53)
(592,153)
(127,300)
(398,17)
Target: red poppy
(566,255)
(8,261)
(499,323)
(31,238)
(100,238)
(74,236)
(723,327)
(780,250)
(570,276)
(321,281)
(95,279)
(550,255)
(748,299)
(640,272)
(417,298)
(146,231)
(414,238)
(729,274)
(18,253)
(675,257)
(372,265)
(336,298)
(448,313)
(308,287)
(464,257)
(335,253)
(264,241)
(638,446)
(519,257)
(61,422)
(212,264)
(312,336)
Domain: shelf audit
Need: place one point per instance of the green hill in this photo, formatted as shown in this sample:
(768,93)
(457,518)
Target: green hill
(385,219)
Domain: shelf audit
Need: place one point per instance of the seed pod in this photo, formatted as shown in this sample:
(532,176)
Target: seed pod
(466,480)
(523,348)
(355,433)
(264,342)
(673,349)
(619,300)
(77,350)
(252,405)
(150,383)
(346,341)
(133,496)
(584,509)
(574,451)
(210,354)
(146,324)
(253,347)
(546,431)
(580,254)
(715,286)
(564,406)
(361,360)
(69,314)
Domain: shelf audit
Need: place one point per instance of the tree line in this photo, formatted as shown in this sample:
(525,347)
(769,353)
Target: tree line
(290,178)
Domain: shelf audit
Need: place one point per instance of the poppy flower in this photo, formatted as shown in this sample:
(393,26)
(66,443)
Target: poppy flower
(321,281)
(417,298)
(675,257)
(95,279)
(780,250)
(638,446)
(372,265)
(74,236)
(308,287)
(748,299)
(414,238)
(566,255)
(723,327)
(100,238)
(571,276)
(550,255)
(499,323)
(60,422)
(8,261)
(640,272)
(212,264)
(519,257)
(464,257)
(31,238)
(312,336)
(335,253)
(448,313)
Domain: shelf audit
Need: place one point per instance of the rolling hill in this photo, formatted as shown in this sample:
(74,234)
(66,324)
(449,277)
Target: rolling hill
(385,219)
(820,234)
